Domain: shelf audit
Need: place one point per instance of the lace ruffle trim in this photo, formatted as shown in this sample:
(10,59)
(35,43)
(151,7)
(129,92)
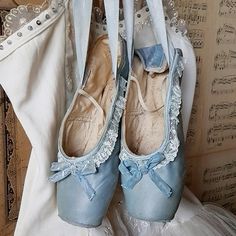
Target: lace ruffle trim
(171,148)
(105,151)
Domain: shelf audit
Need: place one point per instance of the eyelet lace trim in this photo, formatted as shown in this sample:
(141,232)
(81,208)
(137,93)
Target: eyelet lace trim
(171,149)
(173,16)
(142,19)
(20,16)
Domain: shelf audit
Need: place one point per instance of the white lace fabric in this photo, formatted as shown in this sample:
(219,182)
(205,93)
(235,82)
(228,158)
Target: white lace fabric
(142,19)
(18,17)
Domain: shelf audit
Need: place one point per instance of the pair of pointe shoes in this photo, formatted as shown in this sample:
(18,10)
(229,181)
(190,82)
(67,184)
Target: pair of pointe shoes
(145,148)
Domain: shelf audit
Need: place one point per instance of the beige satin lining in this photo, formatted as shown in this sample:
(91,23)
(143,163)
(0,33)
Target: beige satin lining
(85,123)
(144,115)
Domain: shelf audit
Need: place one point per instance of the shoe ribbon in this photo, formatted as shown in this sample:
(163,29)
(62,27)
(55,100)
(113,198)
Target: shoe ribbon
(132,173)
(65,169)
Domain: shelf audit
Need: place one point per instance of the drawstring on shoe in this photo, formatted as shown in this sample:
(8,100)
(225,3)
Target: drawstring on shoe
(140,97)
(94,102)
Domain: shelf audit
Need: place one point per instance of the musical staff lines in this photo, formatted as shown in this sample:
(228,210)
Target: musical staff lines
(220,193)
(222,172)
(226,35)
(224,85)
(227,8)
(225,60)
(221,133)
(191,134)
(192,12)
(222,111)
(197,38)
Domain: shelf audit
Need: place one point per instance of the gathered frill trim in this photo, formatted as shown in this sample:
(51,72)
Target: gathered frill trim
(104,152)
(170,150)
(112,134)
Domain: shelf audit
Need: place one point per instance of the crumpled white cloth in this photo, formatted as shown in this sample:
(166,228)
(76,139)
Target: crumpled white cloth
(191,219)
(33,77)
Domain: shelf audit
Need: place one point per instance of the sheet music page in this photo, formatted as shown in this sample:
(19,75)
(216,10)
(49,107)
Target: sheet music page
(211,142)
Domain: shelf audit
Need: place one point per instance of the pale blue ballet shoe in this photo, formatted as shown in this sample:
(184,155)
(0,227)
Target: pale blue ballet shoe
(89,145)
(153,180)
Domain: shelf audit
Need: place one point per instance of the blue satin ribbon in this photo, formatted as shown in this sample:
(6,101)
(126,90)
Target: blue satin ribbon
(64,169)
(133,173)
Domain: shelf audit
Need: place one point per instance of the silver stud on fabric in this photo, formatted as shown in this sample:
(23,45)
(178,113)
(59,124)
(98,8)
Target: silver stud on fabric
(19,34)
(30,27)
(38,22)
(1,47)
(47,16)
(147,9)
(54,10)
(138,15)
(121,25)
(9,42)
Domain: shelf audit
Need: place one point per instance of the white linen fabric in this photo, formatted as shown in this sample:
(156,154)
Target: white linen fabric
(33,75)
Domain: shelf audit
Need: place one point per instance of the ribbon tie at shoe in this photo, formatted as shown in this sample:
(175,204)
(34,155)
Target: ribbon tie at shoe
(133,173)
(64,169)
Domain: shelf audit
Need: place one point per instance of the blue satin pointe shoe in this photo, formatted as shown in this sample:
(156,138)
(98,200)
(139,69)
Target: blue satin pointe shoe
(89,143)
(152,157)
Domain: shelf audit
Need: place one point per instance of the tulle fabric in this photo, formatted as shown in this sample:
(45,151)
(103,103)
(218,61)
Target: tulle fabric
(192,218)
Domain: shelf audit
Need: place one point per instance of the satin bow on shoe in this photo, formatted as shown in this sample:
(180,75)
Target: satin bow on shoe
(133,173)
(64,169)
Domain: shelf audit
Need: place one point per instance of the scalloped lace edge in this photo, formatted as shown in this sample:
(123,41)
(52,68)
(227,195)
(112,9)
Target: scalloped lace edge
(108,144)
(171,149)
(9,26)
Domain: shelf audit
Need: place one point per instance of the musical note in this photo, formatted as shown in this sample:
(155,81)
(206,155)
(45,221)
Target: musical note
(192,12)
(227,8)
(197,38)
(224,85)
(226,34)
(222,111)
(191,136)
(214,170)
(215,175)
(199,60)
(221,133)
(225,60)
(219,193)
